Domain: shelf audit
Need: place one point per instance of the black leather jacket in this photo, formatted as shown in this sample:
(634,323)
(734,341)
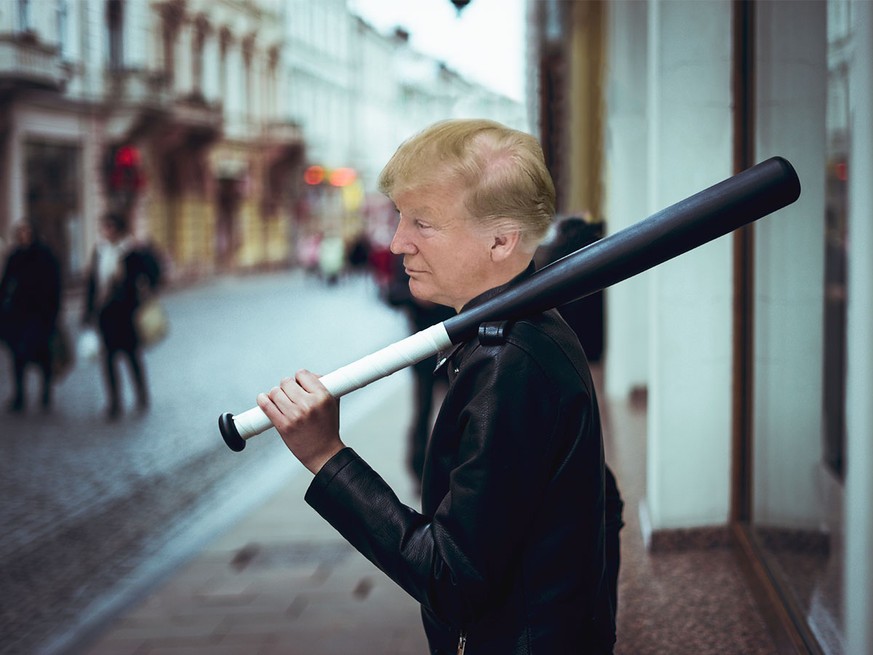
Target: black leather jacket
(508,549)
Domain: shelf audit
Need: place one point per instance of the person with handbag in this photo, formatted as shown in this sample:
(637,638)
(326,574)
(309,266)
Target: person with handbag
(120,275)
(30,301)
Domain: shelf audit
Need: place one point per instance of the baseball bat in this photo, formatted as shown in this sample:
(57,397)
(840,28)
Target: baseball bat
(707,215)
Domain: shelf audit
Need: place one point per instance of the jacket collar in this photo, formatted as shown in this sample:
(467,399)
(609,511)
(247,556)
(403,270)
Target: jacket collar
(488,295)
(446,355)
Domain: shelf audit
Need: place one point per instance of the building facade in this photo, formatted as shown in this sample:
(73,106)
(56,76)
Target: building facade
(229,132)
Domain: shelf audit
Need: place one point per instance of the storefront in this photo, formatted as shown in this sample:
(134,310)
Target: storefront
(752,349)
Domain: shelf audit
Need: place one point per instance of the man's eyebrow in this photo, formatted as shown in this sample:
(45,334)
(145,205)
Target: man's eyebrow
(423,211)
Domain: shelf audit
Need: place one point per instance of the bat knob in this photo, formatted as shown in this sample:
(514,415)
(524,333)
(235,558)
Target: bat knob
(229,432)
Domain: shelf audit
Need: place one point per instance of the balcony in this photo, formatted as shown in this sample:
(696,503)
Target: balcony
(282,132)
(142,105)
(192,120)
(25,62)
(136,87)
(281,141)
(187,122)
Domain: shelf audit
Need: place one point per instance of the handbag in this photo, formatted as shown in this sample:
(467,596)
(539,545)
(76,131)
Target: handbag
(61,352)
(88,345)
(151,322)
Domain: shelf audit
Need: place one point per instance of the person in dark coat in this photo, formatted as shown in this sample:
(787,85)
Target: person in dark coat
(30,300)
(508,552)
(118,276)
(585,315)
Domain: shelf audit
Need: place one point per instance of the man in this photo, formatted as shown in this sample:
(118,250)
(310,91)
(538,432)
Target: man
(508,552)
(30,301)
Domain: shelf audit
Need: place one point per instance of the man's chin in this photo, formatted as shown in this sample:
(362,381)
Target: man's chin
(420,291)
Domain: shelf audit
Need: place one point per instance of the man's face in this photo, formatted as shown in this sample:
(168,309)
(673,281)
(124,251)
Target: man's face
(23,235)
(447,258)
(109,232)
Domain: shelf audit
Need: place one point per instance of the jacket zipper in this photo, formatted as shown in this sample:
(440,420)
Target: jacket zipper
(462,643)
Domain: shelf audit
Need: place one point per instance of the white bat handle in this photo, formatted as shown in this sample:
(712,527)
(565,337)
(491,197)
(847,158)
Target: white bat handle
(237,428)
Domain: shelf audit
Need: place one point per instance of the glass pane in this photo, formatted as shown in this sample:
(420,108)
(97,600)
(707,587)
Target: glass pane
(798,488)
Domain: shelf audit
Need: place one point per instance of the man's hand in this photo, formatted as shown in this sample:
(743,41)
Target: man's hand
(307,418)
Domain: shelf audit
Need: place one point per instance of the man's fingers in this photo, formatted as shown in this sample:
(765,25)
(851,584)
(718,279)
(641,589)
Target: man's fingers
(293,399)
(282,412)
(265,402)
(311,383)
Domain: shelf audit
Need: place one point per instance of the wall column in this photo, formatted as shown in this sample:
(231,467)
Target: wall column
(625,175)
(690,148)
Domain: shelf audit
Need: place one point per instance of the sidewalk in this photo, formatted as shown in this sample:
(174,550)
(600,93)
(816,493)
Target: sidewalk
(282,581)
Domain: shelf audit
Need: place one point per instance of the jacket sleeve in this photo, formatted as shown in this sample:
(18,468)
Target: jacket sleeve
(456,562)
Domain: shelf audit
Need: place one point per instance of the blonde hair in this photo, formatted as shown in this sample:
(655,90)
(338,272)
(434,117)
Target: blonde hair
(501,172)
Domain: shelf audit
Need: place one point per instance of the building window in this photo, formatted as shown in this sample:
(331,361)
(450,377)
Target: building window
(63,13)
(115,33)
(248,99)
(24,18)
(197,57)
(172,20)
(223,72)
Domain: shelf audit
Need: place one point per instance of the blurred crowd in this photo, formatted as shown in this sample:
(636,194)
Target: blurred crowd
(117,321)
(124,276)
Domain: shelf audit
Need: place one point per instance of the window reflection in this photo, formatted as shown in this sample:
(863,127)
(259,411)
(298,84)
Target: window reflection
(807,560)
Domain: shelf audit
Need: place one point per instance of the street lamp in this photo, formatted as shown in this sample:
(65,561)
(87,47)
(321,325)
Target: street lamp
(460,4)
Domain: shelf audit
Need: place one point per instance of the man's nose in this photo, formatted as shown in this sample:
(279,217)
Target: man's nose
(400,243)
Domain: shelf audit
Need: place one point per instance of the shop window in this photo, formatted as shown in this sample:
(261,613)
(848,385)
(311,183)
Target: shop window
(835,236)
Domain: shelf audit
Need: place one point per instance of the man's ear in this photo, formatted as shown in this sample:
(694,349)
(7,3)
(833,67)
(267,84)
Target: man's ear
(504,245)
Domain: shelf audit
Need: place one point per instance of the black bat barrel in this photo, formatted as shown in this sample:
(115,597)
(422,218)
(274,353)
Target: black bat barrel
(707,215)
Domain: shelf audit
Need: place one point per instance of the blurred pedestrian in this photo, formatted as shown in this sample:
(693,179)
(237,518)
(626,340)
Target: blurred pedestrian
(30,300)
(120,274)
(508,552)
(428,382)
(308,249)
(359,254)
(585,315)
(331,258)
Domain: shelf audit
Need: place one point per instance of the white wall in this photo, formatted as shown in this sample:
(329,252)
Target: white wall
(789,267)
(690,148)
(626,160)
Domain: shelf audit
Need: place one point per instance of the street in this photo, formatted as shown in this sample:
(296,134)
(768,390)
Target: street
(95,512)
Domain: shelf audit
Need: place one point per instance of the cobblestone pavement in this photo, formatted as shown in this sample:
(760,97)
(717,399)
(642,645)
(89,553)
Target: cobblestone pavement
(282,581)
(94,511)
